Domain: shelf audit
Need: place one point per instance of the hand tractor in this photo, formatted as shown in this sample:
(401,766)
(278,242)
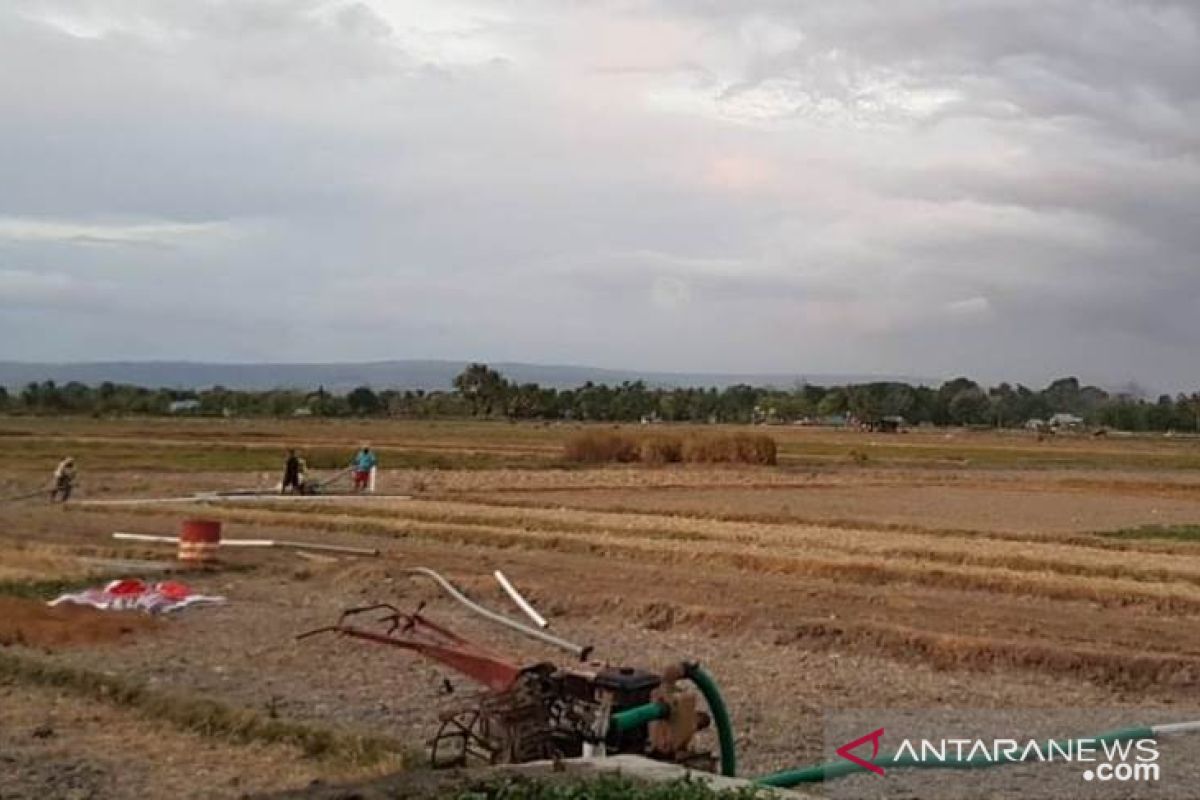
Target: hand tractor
(548,711)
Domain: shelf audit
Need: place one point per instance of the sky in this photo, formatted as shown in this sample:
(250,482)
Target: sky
(1008,189)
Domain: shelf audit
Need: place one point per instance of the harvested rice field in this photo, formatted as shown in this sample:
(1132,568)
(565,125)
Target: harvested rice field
(964,570)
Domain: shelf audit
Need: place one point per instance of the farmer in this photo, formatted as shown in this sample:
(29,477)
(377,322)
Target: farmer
(292,469)
(364,465)
(306,486)
(64,480)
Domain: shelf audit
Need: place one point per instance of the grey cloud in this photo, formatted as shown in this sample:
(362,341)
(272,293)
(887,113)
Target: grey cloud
(1001,187)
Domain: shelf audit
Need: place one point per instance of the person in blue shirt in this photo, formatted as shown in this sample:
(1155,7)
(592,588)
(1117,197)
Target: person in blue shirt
(364,463)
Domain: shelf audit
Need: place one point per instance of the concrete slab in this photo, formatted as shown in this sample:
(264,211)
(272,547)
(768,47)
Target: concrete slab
(650,770)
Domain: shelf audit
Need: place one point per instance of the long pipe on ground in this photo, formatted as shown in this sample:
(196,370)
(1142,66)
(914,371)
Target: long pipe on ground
(326,548)
(521,602)
(238,498)
(303,498)
(580,651)
(26,496)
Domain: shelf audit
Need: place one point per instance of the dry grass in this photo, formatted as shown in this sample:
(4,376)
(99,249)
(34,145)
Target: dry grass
(202,442)
(660,449)
(813,557)
(1084,557)
(23,565)
(733,448)
(864,559)
(601,447)
(200,715)
(1138,672)
(606,447)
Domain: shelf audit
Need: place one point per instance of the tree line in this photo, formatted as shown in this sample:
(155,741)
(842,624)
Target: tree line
(482,392)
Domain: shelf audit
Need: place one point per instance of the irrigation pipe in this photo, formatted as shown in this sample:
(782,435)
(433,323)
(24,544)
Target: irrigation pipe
(336,476)
(720,714)
(139,501)
(521,602)
(299,498)
(26,496)
(238,498)
(580,651)
(817,773)
(326,548)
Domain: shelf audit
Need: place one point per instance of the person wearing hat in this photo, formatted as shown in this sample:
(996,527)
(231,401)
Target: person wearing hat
(64,480)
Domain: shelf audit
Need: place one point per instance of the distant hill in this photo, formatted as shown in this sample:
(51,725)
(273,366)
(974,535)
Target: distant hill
(381,375)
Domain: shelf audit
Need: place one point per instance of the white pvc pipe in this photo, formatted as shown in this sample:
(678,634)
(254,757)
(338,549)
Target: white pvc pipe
(329,548)
(138,501)
(325,548)
(143,537)
(242,498)
(1175,727)
(521,602)
(299,498)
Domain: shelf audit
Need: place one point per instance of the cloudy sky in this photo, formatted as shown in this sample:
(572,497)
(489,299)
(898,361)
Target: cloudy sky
(1005,188)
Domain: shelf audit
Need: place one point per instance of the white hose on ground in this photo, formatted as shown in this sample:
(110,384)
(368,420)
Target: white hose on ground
(521,602)
(579,651)
(239,498)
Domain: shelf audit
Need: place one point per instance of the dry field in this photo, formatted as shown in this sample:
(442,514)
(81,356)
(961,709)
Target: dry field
(964,570)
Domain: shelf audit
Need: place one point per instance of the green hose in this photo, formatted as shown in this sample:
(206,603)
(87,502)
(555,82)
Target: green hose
(720,714)
(839,769)
(638,716)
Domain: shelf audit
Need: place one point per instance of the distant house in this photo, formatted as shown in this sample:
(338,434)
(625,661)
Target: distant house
(302,411)
(183,406)
(1035,424)
(891,424)
(1065,420)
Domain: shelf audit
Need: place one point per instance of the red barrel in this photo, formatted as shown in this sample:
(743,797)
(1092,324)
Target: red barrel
(199,540)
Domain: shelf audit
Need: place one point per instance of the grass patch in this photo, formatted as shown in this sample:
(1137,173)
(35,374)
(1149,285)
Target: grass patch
(50,588)
(605,787)
(199,715)
(1170,533)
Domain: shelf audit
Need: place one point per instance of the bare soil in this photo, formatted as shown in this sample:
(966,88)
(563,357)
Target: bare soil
(32,623)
